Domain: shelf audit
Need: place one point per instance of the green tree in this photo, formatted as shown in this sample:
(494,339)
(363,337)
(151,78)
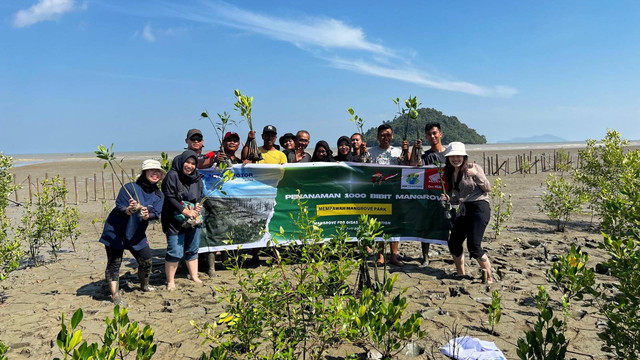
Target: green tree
(452,128)
(10,252)
(561,200)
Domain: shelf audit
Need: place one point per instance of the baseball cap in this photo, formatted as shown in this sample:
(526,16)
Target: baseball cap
(231,134)
(269,129)
(192,132)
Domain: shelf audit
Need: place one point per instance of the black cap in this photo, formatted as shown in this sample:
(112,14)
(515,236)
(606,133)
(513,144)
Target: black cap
(269,129)
(192,132)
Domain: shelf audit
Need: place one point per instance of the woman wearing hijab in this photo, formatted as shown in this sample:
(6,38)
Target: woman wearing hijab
(322,152)
(344,150)
(470,191)
(126,227)
(182,190)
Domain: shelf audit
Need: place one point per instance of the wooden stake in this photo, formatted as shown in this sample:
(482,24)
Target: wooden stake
(75,187)
(16,187)
(95,187)
(104,191)
(30,190)
(113,186)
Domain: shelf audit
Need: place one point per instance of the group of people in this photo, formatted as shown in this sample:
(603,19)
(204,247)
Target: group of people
(178,201)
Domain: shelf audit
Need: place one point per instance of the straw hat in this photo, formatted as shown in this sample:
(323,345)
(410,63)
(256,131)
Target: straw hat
(456,148)
(151,164)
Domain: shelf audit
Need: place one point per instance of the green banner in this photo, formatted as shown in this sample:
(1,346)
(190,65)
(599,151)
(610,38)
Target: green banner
(260,201)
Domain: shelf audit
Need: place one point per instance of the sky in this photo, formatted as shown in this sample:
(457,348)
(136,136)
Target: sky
(78,73)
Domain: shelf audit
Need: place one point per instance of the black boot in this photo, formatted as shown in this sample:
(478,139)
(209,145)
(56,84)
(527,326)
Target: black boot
(425,254)
(144,273)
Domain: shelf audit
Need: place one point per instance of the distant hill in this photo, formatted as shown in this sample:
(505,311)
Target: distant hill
(535,139)
(452,128)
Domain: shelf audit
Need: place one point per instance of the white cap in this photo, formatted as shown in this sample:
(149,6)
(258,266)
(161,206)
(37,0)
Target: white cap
(456,148)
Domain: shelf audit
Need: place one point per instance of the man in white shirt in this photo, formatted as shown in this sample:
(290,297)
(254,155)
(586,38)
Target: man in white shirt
(387,154)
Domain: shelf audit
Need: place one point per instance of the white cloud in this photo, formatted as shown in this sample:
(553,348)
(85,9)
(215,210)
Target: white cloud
(408,74)
(147,34)
(328,39)
(43,10)
(304,32)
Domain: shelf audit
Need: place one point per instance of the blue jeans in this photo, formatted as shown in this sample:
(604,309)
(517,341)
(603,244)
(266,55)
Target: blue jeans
(183,245)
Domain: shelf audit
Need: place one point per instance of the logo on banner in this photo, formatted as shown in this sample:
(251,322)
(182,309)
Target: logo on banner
(412,179)
(433,179)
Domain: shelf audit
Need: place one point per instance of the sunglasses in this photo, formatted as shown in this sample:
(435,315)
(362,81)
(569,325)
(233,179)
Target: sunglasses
(196,138)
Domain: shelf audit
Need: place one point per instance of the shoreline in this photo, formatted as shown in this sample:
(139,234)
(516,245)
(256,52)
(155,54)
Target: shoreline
(20,160)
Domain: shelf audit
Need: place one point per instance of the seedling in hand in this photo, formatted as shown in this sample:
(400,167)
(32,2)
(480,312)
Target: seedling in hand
(110,157)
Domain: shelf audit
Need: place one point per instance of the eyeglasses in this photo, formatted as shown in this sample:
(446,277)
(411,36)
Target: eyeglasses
(196,138)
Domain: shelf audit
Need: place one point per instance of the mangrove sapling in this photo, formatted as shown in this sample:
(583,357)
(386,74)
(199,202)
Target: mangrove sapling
(416,153)
(494,310)
(10,252)
(291,309)
(546,340)
(43,221)
(501,207)
(359,122)
(243,105)
(121,338)
(375,317)
(110,157)
(3,351)
(369,229)
(220,128)
(561,200)
(410,112)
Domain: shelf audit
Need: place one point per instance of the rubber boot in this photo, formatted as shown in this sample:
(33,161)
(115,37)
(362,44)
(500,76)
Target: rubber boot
(425,254)
(113,283)
(144,273)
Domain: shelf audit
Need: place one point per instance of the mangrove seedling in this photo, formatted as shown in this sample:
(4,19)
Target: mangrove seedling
(243,105)
(110,157)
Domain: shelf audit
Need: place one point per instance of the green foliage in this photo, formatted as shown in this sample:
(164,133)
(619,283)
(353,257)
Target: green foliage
(560,200)
(3,351)
(49,221)
(452,128)
(369,229)
(10,252)
(290,309)
(571,275)
(495,310)
(601,168)
(547,340)
(243,106)
(164,161)
(357,120)
(109,156)
(301,305)
(621,223)
(501,206)
(562,161)
(376,318)
(121,338)
(219,127)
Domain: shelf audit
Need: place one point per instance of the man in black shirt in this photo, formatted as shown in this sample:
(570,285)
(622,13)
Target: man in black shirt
(434,156)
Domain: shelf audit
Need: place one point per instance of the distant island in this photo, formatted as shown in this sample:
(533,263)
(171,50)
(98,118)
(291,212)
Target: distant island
(452,128)
(545,138)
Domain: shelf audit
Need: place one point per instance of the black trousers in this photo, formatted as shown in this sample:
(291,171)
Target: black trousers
(114,260)
(470,227)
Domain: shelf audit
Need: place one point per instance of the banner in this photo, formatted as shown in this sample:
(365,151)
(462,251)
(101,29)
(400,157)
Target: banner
(261,202)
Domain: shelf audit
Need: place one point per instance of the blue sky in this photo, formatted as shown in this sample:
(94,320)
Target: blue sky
(75,74)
